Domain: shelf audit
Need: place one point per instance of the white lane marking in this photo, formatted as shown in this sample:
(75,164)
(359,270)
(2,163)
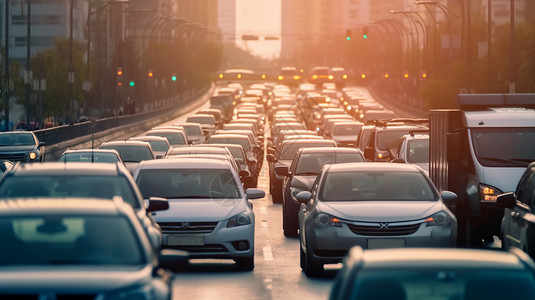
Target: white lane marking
(268,255)
(263,209)
(268,282)
(264,225)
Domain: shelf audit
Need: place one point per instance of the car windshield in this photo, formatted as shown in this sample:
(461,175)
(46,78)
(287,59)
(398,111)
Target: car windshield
(244,142)
(418,151)
(309,164)
(201,120)
(390,138)
(93,157)
(188,183)
(192,130)
(346,129)
(16,139)
(289,149)
(376,185)
(444,283)
(67,186)
(69,240)
(131,153)
(159,145)
(504,147)
(172,137)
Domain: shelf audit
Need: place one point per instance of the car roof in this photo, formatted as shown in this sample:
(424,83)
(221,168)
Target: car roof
(309,141)
(190,163)
(329,150)
(41,206)
(437,257)
(69,151)
(148,138)
(67,168)
(372,166)
(126,143)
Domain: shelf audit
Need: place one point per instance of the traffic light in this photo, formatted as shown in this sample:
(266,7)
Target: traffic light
(132,83)
(365,32)
(173,77)
(119,76)
(150,74)
(349,34)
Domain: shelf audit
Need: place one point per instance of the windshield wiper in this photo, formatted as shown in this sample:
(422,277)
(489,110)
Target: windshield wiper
(504,161)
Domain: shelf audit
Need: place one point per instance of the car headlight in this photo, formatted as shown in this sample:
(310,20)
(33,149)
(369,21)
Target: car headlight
(439,219)
(294,191)
(140,292)
(34,155)
(240,219)
(488,193)
(324,219)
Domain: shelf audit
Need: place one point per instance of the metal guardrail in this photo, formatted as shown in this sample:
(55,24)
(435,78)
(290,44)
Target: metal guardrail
(60,134)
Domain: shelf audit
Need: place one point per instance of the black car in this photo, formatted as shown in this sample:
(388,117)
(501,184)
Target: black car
(21,146)
(518,223)
(439,273)
(302,173)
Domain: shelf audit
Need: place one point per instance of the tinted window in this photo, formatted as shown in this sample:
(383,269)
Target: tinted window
(105,187)
(159,145)
(346,129)
(187,183)
(376,185)
(68,240)
(504,147)
(313,162)
(418,151)
(201,120)
(172,137)
(390,138)
(445,283)
(289,149)
(17,139)
(131,153)
(90,157)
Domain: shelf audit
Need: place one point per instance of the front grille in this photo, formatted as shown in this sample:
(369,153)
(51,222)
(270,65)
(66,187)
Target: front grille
(377,230)
(13,156)
(187,227)
(201,249)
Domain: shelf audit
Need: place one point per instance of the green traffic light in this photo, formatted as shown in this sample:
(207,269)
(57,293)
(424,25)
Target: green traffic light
(348,38)
(132,83)
(365,36)
(173,78)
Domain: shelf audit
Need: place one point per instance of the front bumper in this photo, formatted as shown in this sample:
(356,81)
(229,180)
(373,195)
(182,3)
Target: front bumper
(329,244)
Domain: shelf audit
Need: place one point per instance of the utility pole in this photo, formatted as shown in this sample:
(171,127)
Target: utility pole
(28,76)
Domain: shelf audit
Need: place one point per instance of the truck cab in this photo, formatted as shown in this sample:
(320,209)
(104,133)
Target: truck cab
(480,151)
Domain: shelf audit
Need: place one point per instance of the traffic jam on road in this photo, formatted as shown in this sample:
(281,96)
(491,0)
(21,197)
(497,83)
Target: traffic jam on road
(289,187)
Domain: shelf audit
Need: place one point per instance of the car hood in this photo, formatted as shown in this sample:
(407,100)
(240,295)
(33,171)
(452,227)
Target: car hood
(131,166)
(208,210)
(303,182)
(17,148)
(384,211)
(71,279)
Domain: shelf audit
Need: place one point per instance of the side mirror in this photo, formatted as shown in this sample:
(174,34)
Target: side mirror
(173,259)
(369,153)
(303,197)
(41,144)
(449,197)
(506,200)
(157,204)
(398,160)
(254,193)
(282,171)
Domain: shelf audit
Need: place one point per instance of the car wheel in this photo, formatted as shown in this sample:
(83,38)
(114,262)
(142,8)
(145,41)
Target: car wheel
(276,194)
(245,263)
(289,228)
(302,258)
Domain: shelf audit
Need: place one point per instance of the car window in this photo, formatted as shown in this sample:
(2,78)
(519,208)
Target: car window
(18,139)
(346,129)
(446,283)
(69,240)
(376,185)
(68,186)
(418,151)
(131,153)
(289,149)
(311,163)
(187,183)
(390,138)
(172,137)
(89,157)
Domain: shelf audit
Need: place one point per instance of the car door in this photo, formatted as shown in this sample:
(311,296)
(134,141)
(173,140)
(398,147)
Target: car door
(520,218)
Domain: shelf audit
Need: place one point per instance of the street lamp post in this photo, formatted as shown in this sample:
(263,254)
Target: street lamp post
(28,75)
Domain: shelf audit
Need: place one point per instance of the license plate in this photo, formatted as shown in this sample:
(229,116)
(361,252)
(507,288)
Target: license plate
(184,240)
(386,243)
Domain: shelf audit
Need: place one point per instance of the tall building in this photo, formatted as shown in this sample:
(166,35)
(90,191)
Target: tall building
(50,19)
(319,20)
(203,12)
(226,18)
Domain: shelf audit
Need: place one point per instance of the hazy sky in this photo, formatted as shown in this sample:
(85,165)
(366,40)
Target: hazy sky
(260,17)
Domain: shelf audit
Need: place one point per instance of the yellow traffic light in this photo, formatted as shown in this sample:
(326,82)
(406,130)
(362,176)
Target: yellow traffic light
(406,75)
(386,75)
